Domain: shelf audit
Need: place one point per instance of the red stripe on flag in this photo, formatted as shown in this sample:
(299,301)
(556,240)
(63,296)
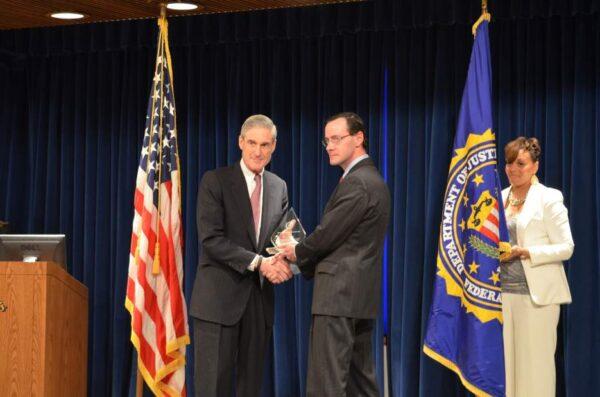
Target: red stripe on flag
(146,353)
(489,234)
(151,307)
(493,219)
(138,200)
(134,240)
(168,265)
(148,230)
(130,289)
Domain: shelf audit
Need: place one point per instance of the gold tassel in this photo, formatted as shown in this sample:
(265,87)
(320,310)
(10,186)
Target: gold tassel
(503,250)
(156,263)
(162,23)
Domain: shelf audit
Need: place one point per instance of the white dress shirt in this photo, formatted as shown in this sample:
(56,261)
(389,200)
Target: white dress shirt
(353,163)
(251,184)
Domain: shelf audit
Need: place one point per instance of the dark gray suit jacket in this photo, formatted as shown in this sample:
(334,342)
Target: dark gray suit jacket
(344,252)
(228,243)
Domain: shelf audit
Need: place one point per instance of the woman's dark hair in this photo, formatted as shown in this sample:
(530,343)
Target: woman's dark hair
(529,145)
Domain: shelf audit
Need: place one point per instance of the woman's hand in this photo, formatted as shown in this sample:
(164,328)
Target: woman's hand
(516,252)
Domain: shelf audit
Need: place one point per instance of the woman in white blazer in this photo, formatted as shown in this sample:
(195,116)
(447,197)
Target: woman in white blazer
(533,279)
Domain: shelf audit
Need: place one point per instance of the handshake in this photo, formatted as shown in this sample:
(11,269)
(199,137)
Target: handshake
(277,268)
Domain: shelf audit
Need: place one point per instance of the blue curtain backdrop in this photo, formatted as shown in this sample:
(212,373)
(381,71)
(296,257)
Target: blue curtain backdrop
(72,109)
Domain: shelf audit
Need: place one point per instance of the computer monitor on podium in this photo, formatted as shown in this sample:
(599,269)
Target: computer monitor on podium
(33,248)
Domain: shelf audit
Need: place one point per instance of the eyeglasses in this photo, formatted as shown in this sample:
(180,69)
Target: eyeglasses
(335,140)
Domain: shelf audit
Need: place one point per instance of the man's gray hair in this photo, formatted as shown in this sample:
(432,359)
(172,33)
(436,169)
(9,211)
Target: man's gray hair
(258,120)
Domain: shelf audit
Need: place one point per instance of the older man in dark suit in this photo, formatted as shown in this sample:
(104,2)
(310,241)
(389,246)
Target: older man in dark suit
(344,256)
(232,301)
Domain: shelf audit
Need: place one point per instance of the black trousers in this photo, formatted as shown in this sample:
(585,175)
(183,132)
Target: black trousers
(220,351)
(340,361)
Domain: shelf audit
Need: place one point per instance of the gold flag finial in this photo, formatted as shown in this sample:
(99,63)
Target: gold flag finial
(162,20)
(485,16)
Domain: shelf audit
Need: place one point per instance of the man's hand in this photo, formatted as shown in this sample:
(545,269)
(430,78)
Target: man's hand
(286,243)
(288,251)
(276,269)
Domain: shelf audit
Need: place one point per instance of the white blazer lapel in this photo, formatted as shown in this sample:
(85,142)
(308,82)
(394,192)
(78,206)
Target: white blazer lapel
(530,209)
(505,196)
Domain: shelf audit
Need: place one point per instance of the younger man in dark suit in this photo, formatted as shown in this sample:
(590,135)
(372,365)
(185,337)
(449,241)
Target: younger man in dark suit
(232,301)
(344,256)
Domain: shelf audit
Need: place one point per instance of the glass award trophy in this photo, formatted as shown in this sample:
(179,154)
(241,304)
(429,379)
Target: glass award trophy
(289,231)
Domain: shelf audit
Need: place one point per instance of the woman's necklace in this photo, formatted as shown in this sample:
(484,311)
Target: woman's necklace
(516,202)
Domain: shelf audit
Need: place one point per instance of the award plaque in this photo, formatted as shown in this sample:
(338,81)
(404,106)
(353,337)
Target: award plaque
(289,231)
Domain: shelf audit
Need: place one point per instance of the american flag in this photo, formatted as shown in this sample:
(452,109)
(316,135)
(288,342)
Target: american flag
(159,325)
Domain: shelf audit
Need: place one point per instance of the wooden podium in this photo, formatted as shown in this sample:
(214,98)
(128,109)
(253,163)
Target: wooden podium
(43,331)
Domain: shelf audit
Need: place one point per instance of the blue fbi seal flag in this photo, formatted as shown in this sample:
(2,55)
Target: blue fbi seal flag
(469,245)
(464,330)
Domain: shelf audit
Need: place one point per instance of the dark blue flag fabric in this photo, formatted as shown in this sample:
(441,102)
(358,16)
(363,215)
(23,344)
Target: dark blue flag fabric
(464,331)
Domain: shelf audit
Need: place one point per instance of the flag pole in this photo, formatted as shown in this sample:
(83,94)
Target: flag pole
(139,383)
(386,375)
(385,300)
